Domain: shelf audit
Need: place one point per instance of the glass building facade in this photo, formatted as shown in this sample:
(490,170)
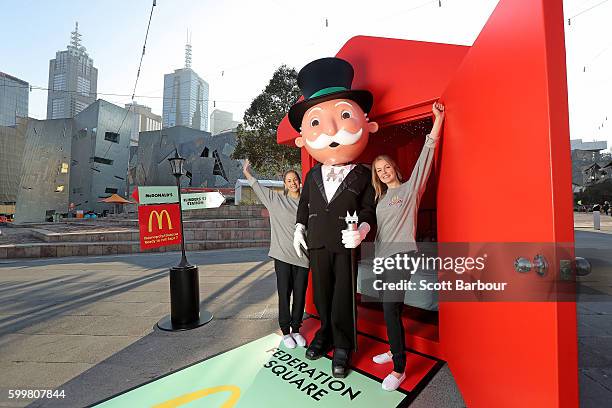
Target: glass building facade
(144,120)
(73,80)
(185,100)
(14,97)
(221,121)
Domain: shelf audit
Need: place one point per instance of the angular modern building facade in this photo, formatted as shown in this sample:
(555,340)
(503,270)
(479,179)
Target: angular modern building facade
(14,98)
(100,153)
(12,141)
(208,162)
(73,80)
(54,165)
(34,168)
(45,170)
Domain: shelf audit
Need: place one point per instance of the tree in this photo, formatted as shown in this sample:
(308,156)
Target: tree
(595,193)
(257,134)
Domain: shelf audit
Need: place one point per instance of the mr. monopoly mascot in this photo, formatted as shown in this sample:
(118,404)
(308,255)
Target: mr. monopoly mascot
(334,127)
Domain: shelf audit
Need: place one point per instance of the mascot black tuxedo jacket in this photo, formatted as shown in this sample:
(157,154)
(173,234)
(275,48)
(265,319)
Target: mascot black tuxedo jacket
(324,220)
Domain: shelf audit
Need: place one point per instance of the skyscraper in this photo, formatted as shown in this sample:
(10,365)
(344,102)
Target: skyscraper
(144,121)
(221,121)
(13,99)
(73,80)
(185,97)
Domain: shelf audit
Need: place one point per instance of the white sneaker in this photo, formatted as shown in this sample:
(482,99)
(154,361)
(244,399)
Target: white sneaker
(382,358)
(392,383)
(299,339)
(288,341)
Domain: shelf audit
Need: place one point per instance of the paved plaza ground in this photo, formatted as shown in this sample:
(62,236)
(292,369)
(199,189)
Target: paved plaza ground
(86,324)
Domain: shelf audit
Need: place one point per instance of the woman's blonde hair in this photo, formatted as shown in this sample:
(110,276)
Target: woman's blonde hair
(285,191)
(380,188)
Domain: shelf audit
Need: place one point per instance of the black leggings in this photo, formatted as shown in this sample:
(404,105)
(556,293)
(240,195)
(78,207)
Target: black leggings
(393,305)
(395,333)
(290,279)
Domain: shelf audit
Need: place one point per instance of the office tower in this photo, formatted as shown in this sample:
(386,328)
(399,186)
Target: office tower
(221,121)
(73,80)
(13,99)
(144,120)
(185,97)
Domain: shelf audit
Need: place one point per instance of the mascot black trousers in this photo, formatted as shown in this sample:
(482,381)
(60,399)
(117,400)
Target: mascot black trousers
(333,295)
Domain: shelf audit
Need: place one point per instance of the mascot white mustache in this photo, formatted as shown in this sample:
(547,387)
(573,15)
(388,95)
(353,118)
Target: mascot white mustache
(342,137)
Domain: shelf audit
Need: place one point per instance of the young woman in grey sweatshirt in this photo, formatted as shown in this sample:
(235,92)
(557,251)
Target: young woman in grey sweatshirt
(396,218)
(291,270)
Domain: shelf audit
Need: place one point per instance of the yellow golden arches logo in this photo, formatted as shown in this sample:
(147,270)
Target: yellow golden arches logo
(184,399)
(160,219)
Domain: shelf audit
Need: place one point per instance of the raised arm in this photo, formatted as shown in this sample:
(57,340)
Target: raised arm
(265,195)
(422,168)
(438,111)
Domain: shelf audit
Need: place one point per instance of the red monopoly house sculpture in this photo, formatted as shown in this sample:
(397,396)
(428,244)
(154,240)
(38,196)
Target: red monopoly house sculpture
(502,174)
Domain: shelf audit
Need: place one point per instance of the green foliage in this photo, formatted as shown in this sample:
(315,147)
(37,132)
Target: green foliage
(257,134)
(595,193)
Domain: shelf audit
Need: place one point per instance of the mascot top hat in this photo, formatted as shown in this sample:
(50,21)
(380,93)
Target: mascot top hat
(323,80)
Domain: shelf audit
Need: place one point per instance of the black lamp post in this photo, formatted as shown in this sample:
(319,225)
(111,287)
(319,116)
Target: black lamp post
(178,170)
(185,313)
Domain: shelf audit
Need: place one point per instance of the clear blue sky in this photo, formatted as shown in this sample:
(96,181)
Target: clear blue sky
(247,40)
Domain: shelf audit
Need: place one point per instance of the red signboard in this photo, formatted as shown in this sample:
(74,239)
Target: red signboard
(159,225)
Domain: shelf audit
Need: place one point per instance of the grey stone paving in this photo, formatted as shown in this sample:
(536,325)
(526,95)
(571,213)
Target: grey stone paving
(595,320)
(86,325)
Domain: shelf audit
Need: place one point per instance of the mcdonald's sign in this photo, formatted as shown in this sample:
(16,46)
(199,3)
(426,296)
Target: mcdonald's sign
(160,220)
(159,225)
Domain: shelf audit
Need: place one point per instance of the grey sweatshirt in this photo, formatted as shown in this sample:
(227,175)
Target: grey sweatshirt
(397,210)
(283,210)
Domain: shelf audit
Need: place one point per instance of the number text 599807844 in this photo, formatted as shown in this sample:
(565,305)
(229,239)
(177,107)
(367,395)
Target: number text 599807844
(35,394)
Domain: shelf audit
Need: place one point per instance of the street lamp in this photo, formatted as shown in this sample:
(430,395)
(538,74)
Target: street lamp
(177,165)
(185,312)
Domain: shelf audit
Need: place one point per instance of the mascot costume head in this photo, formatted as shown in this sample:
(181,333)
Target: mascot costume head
(333,118)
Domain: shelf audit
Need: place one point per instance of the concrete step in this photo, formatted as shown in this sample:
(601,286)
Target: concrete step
(225,211)
(228,211)
(191,233)
(253,222)
(52,249)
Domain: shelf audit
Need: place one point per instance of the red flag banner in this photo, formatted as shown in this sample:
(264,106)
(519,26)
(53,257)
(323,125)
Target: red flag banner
(159,225)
